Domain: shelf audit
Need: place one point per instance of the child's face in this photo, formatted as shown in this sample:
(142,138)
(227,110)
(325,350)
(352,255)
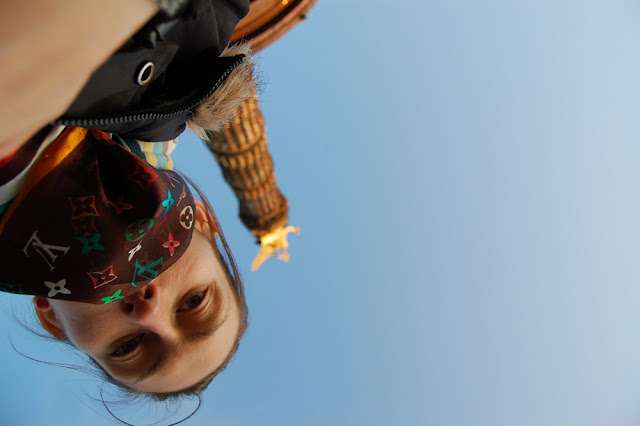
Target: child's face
(166,337)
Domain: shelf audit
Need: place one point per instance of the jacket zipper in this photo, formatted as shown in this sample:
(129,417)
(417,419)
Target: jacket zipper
(99,122)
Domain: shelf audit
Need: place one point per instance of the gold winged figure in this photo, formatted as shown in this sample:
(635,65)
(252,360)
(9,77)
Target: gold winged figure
(273,242)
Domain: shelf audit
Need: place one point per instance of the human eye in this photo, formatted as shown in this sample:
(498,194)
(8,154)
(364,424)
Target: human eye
(193,302)
(128,346)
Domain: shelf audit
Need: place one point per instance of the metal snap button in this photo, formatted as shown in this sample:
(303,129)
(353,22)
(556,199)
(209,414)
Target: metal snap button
(145,74)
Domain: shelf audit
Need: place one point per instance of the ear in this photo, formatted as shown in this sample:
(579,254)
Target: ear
(48,319)
(204,223)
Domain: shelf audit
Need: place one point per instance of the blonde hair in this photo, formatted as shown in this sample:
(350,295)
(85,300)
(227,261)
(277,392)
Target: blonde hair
(221,106)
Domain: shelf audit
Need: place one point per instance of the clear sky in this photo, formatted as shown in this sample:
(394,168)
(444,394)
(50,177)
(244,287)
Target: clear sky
(466,176)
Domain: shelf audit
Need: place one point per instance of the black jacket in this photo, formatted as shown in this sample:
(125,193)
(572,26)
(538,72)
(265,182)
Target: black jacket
(149,87)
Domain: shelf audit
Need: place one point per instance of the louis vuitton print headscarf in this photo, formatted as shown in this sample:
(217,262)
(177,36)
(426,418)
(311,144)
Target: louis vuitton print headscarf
(93,223)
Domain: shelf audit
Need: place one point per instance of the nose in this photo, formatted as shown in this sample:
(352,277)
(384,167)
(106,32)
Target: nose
(146,308)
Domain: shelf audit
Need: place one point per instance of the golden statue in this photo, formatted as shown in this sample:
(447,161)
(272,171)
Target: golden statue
(272,242)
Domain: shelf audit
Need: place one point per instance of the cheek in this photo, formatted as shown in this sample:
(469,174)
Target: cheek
(90,328)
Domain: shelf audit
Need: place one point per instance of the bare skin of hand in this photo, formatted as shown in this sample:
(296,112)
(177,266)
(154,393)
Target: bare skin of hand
(48,51)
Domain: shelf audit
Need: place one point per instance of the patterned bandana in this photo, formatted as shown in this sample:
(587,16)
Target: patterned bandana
(93,223)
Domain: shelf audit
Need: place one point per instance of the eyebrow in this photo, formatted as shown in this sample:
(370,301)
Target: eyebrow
(195,337)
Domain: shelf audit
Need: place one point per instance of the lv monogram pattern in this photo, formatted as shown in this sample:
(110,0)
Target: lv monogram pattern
(98,226)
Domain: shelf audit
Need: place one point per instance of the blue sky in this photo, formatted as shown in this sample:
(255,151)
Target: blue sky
(466,178)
